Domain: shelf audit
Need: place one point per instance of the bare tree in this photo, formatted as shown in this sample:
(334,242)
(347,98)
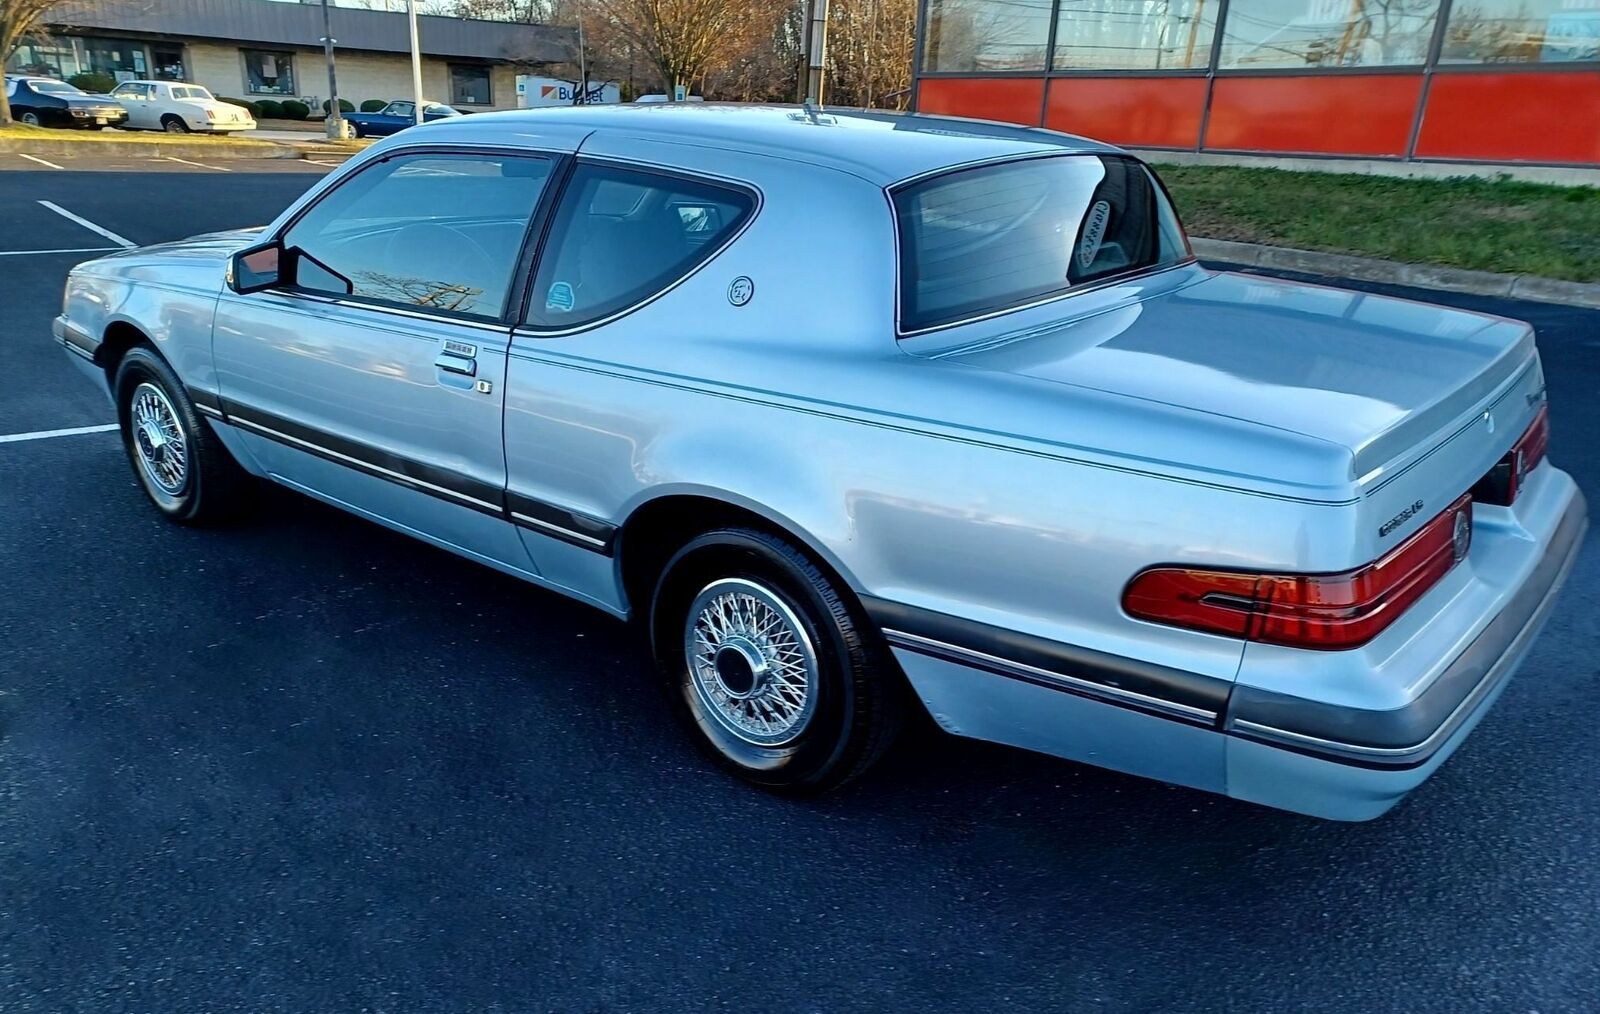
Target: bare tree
(870,47)
(19,20)
(685,40)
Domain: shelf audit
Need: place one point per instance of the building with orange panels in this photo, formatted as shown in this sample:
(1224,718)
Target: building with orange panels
(1477,81)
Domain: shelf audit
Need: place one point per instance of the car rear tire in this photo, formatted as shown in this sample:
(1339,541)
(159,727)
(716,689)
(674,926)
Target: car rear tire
(174,125)
(180,463)
(776,673)
(31,119)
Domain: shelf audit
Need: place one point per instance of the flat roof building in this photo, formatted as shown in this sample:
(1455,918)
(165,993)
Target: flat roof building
(260,49)
(1491,81)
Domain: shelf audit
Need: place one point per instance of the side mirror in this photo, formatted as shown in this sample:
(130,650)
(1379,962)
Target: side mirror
(259,267)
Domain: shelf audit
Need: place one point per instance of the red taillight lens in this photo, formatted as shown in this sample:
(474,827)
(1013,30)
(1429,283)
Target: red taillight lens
(1504,480)
(1325,611)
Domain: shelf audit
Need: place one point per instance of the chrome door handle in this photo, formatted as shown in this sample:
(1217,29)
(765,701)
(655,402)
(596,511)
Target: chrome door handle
(457,364)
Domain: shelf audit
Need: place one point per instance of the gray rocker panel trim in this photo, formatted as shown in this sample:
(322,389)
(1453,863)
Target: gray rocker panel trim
(1142,686)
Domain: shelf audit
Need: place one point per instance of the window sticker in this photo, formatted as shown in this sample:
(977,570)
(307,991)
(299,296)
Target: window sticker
(559,298)
(1094,233)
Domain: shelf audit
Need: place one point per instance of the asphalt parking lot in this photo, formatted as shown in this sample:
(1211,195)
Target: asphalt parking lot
(306,764)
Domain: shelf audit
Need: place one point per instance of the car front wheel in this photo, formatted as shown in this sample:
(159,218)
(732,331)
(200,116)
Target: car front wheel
(775,671)
(31,119)
(180,463)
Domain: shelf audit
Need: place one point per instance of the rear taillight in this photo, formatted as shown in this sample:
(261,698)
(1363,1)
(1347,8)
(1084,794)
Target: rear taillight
(1504,480)
(1323,611)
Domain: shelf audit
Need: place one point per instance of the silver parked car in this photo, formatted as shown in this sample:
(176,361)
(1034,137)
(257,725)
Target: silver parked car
(853,411)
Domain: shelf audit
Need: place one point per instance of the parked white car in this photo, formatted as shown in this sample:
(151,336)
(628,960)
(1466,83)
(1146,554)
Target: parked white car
(178,108)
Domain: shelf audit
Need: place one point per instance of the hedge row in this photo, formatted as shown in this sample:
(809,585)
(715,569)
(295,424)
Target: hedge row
(294,109)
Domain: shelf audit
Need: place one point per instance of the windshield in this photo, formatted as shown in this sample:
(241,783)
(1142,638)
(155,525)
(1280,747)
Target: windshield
(189,92)
(440,109)
(54,87)
(994,238)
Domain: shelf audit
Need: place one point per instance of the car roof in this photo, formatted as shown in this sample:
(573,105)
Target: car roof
(880,146)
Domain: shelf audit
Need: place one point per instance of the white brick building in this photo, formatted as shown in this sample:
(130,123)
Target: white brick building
(262,49)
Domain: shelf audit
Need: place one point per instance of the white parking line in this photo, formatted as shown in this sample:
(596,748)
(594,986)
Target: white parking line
(15,438)
(202,165)
(41,161)
(75,249)
(107,233)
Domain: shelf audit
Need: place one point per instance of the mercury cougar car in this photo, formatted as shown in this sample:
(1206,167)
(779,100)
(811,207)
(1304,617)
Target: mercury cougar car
(858,413)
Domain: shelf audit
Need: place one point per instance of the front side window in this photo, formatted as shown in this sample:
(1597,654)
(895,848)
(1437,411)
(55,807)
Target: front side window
(406,109)
(440,232)
(1521,31)
(269,73)
(622,236)
(1134,35)
(997,237)
(1326,33)
(469,85)
(976,35)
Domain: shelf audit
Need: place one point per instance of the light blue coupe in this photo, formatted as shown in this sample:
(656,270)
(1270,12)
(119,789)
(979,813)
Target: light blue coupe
(859,412)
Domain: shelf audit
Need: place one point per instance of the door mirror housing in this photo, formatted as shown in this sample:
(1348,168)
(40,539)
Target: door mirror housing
(265,266)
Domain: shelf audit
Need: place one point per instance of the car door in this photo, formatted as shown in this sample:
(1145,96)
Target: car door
(397,116)
(375,378)
(135,98)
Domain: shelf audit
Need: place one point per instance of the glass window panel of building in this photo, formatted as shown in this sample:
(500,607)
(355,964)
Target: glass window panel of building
(986,35)
(1135,34)
(1327,33)
(1522,31)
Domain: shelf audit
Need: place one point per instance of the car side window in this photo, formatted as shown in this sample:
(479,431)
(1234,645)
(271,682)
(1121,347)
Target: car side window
(438,231)
(401,109)
(621,236)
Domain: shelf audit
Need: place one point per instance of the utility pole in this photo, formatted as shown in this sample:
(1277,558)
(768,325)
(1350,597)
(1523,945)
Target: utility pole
(334,124)
(416,60)
(816,50)
(582,98)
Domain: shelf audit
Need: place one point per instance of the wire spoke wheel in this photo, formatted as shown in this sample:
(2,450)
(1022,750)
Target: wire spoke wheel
(751,662)
(159,439)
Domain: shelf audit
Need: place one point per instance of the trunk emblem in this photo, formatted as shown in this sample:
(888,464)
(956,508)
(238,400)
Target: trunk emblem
(1399,519)
(1461,537)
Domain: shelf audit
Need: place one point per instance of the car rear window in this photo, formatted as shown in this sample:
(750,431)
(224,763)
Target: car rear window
(984,240)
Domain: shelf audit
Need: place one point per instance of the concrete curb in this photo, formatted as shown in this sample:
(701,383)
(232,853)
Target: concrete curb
(1422,276)
(215,148)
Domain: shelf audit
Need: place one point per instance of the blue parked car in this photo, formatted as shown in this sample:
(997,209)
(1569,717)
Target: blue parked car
(397,116)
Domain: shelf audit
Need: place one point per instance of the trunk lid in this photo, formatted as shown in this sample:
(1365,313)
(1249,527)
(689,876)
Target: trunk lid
(1388,379)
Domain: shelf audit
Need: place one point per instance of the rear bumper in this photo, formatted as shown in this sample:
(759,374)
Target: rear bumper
(1351,763)
(1342,759)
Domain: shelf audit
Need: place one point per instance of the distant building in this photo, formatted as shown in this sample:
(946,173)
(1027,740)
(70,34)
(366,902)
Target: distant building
(1497,81)
(260,49)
